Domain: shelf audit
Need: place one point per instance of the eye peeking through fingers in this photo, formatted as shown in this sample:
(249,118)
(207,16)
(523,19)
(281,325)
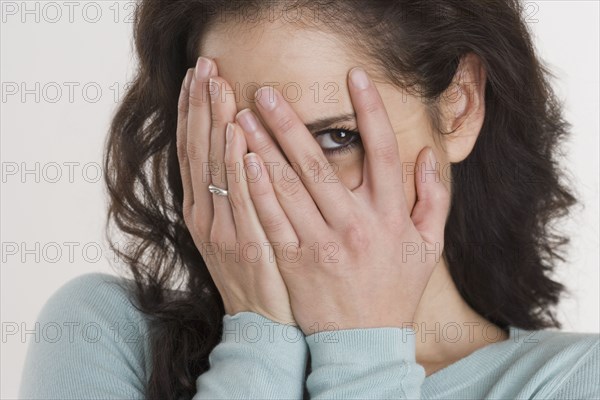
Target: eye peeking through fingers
(338,140)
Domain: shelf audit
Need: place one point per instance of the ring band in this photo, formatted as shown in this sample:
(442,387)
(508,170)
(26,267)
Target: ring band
(217,190)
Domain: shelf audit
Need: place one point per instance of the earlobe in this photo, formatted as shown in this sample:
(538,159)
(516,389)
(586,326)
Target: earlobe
(463,109)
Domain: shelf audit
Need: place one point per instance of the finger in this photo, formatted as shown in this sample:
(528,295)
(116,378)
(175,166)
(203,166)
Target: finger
(190,121)
(223,220)
(275,223)
(382,169)
(238,196)
(223,110)
(198,140)
(433,199)
(247,221)
(294,199)
(184,165)
(302,149)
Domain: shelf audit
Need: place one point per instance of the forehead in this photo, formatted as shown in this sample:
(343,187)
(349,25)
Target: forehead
(307,66)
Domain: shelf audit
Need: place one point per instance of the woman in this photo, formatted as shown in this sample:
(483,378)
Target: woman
(380,231)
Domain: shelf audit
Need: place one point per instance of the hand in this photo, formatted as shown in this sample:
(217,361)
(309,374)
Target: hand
(354,259)
(226,230)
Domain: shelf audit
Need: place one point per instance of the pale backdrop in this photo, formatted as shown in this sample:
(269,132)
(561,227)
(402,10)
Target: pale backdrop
(64,67)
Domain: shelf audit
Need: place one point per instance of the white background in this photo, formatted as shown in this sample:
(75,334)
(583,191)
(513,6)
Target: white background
(70,127)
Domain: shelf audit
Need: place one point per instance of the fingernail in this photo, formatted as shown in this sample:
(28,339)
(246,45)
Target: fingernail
(359,78)
(247,120)
(229,132)
(432,160)
(250,158)
(213,89)
(188,79)
(266,97)
(203,68)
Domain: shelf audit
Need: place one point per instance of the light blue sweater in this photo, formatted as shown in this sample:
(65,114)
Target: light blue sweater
(93,344)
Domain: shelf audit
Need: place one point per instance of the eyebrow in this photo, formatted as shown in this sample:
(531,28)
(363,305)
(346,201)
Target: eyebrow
(323,123)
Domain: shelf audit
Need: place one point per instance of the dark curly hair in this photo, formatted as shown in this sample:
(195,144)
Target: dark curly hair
(500,246)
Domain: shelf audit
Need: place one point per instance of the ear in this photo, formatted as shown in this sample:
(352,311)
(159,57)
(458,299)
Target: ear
(462,108)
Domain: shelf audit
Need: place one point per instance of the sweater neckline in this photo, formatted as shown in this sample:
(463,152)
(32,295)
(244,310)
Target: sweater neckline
(472,367)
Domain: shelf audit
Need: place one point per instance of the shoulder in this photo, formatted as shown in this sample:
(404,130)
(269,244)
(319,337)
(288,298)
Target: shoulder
(549,344)
(566,363)
(95,298)
(92,288)
(99,306)
(90,341)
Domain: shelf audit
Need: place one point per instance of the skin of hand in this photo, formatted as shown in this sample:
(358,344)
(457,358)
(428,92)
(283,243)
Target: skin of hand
(354,258)
(261,288)
(226,230)
(311,67)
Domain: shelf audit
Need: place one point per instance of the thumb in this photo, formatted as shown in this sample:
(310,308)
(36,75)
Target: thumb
(433,198)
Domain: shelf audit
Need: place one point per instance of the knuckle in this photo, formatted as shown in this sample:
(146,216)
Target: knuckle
(272,223)
(239,202)
(260,192)
(264,148)
(371,106)
(289,253)
(183,107)
(181,151)
(193,150)
(288,188)
(385,153)
(215,120)
(285,124)
(217,170)
(355,236)
(212,159)
(312,165)
(195,100)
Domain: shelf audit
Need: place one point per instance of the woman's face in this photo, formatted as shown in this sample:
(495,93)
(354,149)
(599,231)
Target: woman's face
(310,69)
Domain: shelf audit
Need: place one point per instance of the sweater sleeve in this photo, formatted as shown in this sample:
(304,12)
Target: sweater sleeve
(373,363)
(90,342)
(256,359)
